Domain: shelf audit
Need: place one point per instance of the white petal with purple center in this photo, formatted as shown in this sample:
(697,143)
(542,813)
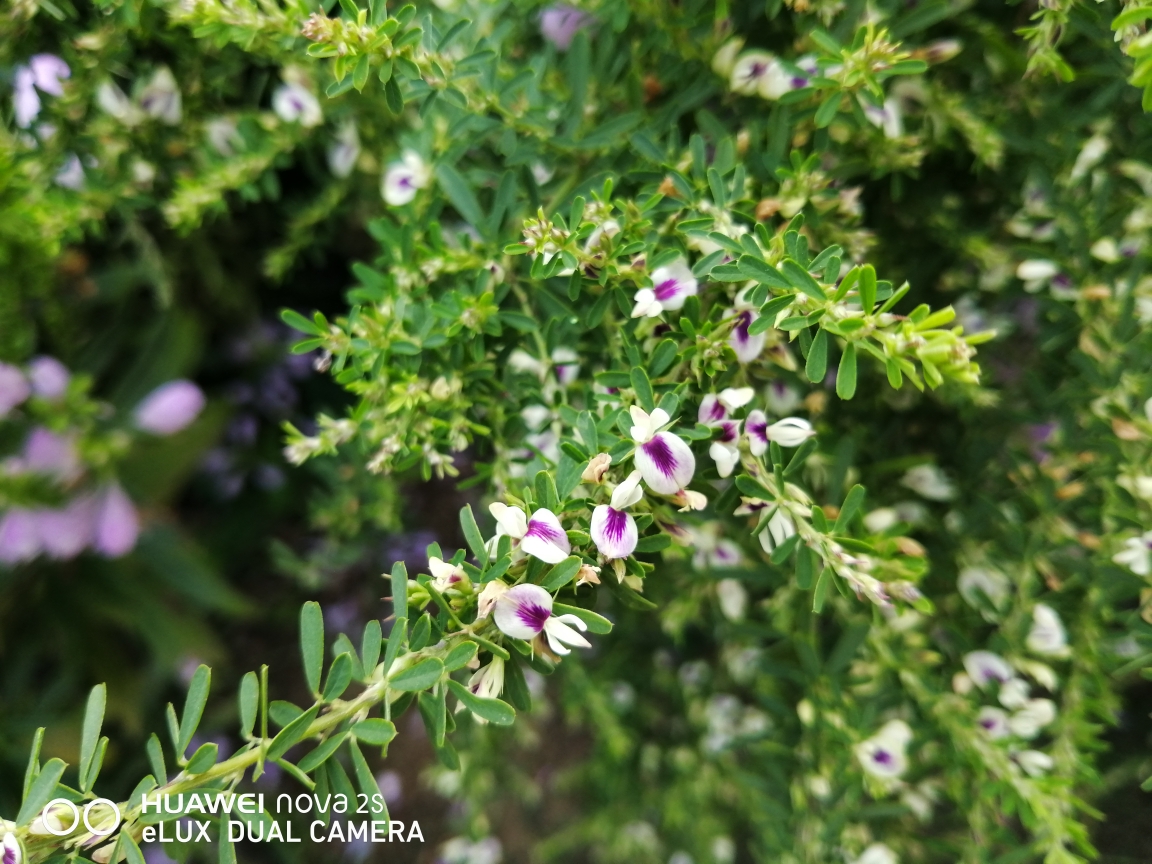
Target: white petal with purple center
(665,462)
(545,538)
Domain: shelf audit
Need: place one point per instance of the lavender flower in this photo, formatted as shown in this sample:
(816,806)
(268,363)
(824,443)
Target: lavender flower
(560,23)
(14,388)
(160,97)
(170,407)
(49,377)
(404,178)
(542,536)
(665,462)
(44,72)
(293,103)
(116,524)
(19,536)
(882,755)
(671,286)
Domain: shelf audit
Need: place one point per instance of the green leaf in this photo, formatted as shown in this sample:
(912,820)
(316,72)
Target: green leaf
(852,502)
(396,640)
(203,759)
(42,791)
(293,733)
(90,732)
(360,74)
(365,779)
(515,687)
(802,280)
(339,677)
(546,494)
(663,357)
(133,855)
(460,655)
(375,731)
(421,632)
(33,767)
(586,426)
(867,288)
(156,759)
(596,623)
(805,567)
(846,374)
(643,388)
(249,703)
(323,751)
(827,111)
(392,96)
(752,488)
(298,322)
(434,713)
(493,710)
(420,676)
(312,643)
(821,592)
(460,193)
(194,706)
(400,590)
(561,574)
(763,272)
(370,646)
(817,365)
(653,543)
(472,534)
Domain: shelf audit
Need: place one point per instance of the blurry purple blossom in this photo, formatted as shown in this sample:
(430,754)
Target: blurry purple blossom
(49,377)
(71,174)
(48,71)
(117,524)
(14,388)
(19,536)
(46,452)
(44,72)
(66,532)
(560,23)
(170,407)
(1038,435)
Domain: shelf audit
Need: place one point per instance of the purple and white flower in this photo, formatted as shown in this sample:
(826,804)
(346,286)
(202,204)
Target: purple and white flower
(751,71)
(665,462)
(883,755)
(560,23)
(14,388)
(169,408)
(993,722)
(44,72)
(789,432)
(725,450)
(781,399)
(488,682)
(403,179)
(444,573)
(115,103)
(541,536)
(984,667)
(1033,762)
(566,365)
(613,528)
(746,346)
(1047,635)
(1014,693)
(779,528)
(10,849)
(1136,554)
(160,97)
(344,150)
(49,377)
(19,536)
(71,174)
(525,611)
(713,551)
(671,286)
(294,103)
(887,117)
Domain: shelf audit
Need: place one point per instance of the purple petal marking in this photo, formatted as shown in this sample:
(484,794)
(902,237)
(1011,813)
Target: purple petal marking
(988,723)
(715,412)
(882,757)
(537,528)
(616,525)
(743,322)
(731,431)
(661,455)
(666,290)
(533,616)
(759,430)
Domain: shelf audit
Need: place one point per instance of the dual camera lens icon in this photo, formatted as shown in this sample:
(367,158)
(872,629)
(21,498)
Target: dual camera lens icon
(103,831)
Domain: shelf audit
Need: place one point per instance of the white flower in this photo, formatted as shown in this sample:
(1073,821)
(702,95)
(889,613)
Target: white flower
(665,462)
(487,683)
(725,450)
(524,611)
(779,528)
(345,150)
(749,72)
(733,599)
(1014,693)
(1034,716)
(1047,635)
(887,117)
(223,136)
(1136,554)
(1035,272)
(980,586)
(671,286)
(882,755)
(877,853)
(566,365)
(929,482)
(404,178)
(71,174)
(984,666)
(1034,763)
(115,102)
(444,574)
(614,530)
(712,551)
(489,594)
(160,97)
(294,103)
(881,519)
(781,399)
(789,432)
(542,536)
(724,60)
(993,722)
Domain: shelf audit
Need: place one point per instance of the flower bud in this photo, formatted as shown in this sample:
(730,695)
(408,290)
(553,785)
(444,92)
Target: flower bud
(597,468)
(170,408)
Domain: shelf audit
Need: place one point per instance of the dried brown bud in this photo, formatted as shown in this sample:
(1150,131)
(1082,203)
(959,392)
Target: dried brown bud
(597,468)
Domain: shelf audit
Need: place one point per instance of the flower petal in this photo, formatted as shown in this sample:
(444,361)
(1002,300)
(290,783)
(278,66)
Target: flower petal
(511,519)
(545,538)
(614,532)
(666,463)
(523,611)
(756,427)
(560,633)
